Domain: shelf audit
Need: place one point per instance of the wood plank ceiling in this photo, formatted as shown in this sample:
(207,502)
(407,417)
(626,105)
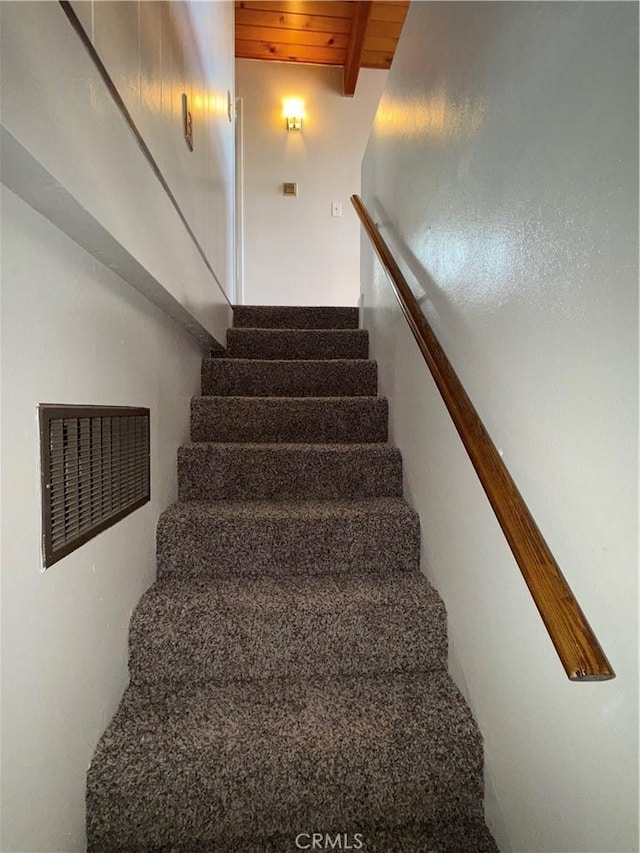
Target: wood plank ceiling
(354,34)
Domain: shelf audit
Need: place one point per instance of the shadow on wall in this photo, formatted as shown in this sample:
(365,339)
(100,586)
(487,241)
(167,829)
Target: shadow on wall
(447,322)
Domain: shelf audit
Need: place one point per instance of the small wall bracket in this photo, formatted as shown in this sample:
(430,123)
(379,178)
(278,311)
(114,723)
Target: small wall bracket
(187,124)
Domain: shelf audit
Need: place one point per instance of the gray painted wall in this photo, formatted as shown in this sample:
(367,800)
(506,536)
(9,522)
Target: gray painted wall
(73,331)
(503,169)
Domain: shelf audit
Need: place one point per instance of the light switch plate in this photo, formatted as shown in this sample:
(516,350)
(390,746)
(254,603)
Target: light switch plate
(289,188)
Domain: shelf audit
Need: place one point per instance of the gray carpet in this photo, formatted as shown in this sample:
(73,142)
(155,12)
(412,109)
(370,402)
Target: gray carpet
(306,419)
(239,377)
(463,833)
(266,758)
(294,317)
(266,628)
(285,471)
(301,537)
(289,667)
(297,343)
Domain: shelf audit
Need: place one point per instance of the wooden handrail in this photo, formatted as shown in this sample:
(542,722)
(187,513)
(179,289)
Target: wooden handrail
(570,633)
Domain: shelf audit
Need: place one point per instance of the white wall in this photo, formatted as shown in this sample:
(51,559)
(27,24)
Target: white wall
(55,104)
(503,167)
(73,331)
(295,252)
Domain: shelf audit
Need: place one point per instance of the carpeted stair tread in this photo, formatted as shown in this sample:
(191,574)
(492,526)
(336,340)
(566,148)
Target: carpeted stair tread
(289,666)
(215,471)
(464,833)
(298,343)
(263,759)
(327,420)
(380,535)
(301,537)
(238,377)
(294,317)
(195,630)
(278,510)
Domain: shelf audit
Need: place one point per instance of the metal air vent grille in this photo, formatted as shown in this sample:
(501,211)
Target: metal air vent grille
(95,470)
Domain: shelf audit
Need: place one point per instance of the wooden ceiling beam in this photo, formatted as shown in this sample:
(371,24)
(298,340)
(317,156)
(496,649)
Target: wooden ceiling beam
(361,11)
(333,9)
(292,21)
(272,35)
(289,53)
(389,12)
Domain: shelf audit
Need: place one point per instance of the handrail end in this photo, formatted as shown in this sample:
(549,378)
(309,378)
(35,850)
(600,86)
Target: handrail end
(580,675)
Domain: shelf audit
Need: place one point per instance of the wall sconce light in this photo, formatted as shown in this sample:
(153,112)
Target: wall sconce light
(293,112)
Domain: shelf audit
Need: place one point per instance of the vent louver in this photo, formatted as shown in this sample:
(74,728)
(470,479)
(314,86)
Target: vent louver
(95,470)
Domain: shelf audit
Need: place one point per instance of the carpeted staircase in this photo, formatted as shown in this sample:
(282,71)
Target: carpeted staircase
(289,667)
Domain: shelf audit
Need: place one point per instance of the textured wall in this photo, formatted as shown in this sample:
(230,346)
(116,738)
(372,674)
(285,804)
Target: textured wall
(155,52)
(503,169)
(72,332)
(56,105)
(295,252)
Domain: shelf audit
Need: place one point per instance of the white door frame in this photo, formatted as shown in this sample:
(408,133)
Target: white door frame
(239,217)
